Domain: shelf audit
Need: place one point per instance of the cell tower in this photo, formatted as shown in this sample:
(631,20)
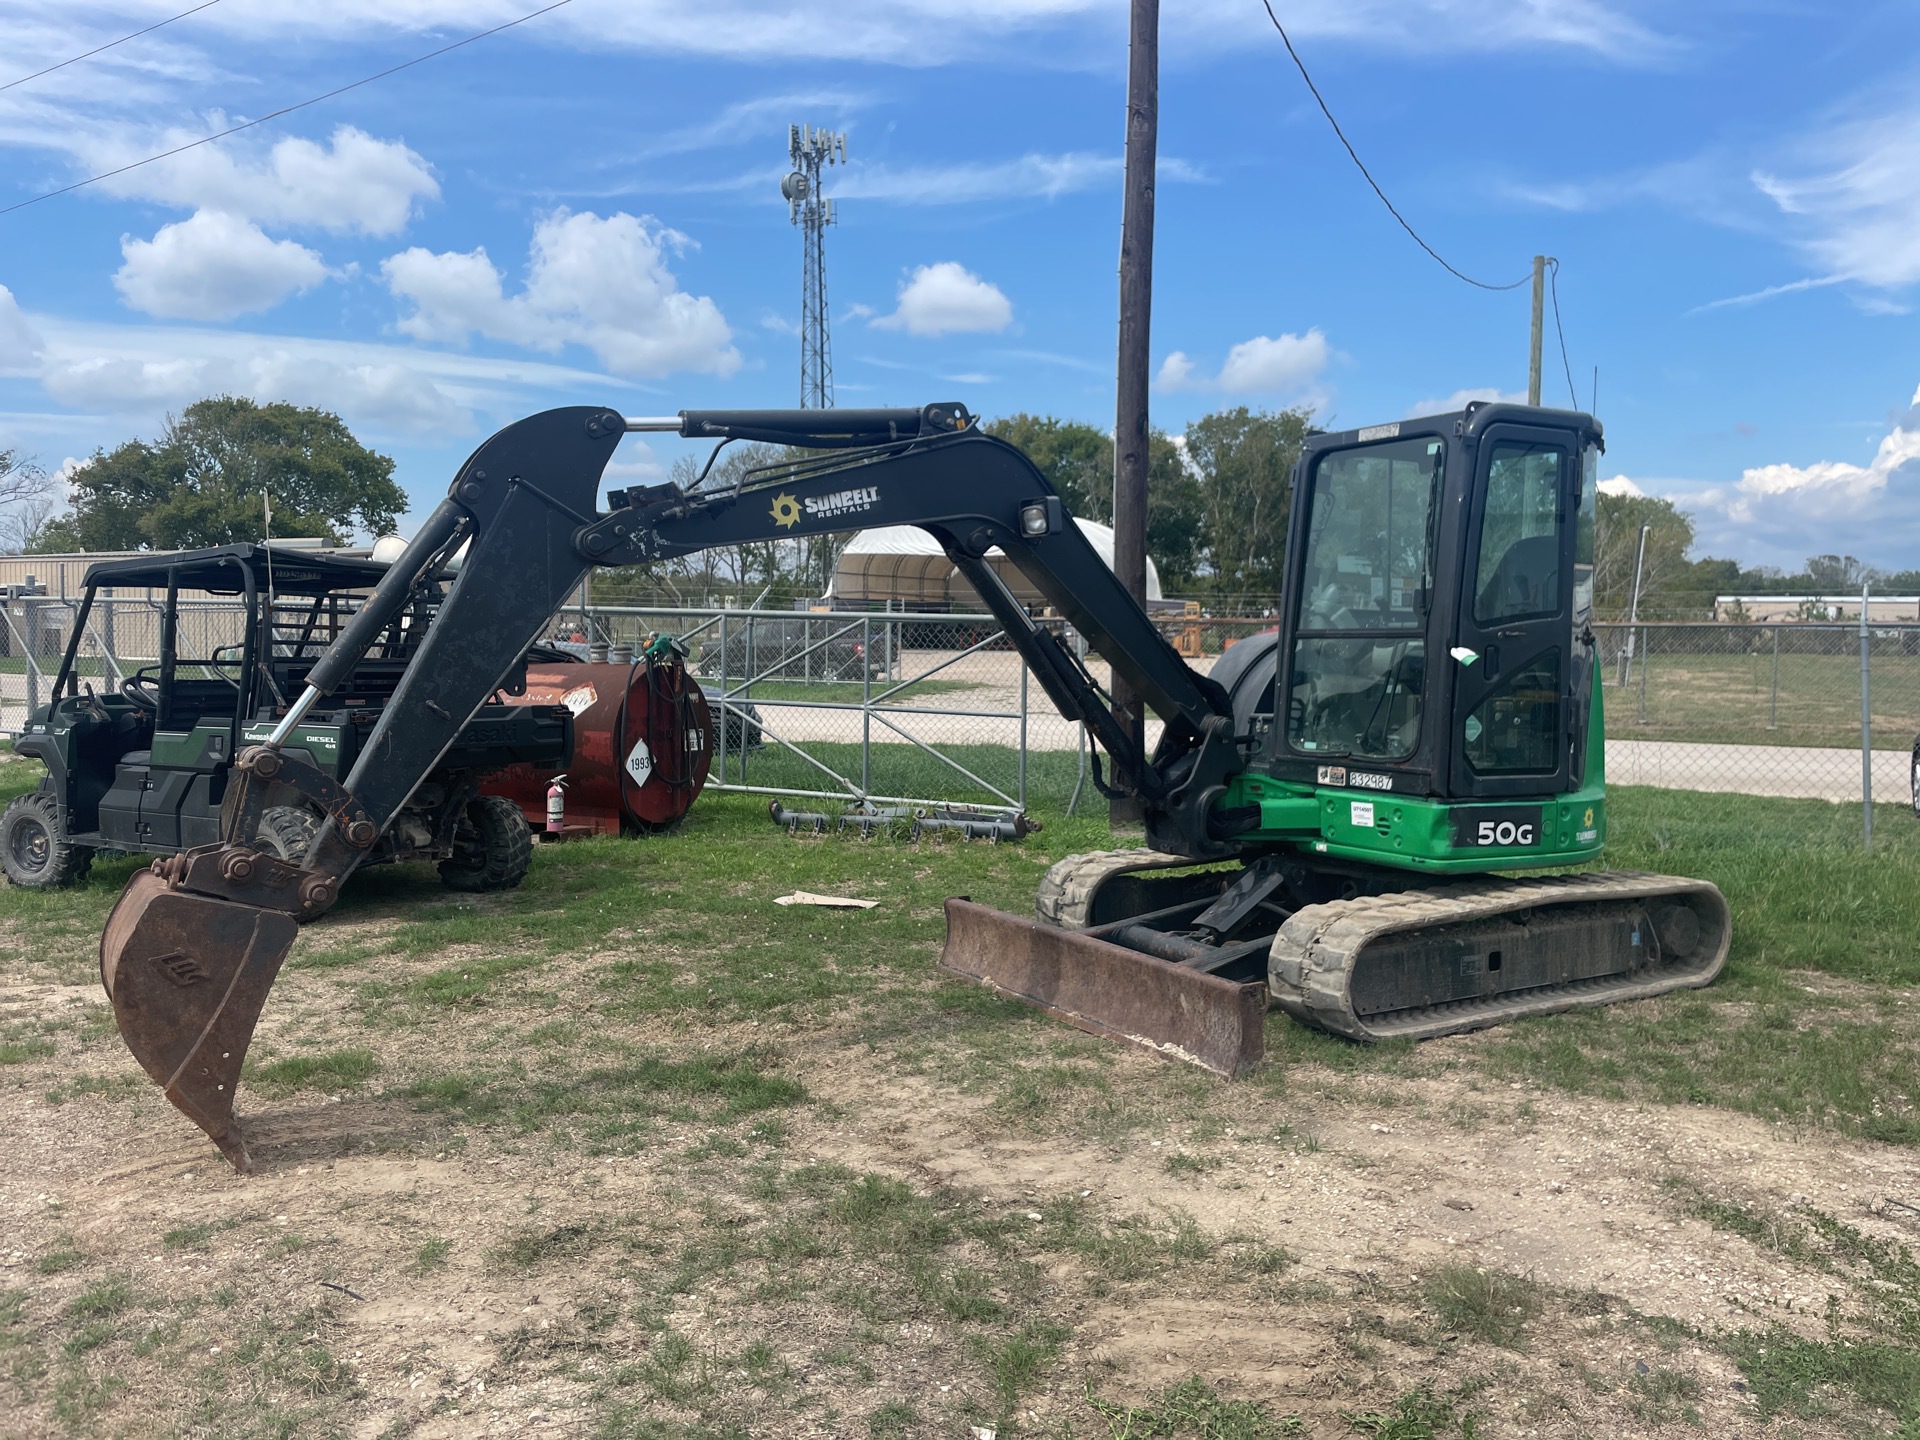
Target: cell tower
(810,149)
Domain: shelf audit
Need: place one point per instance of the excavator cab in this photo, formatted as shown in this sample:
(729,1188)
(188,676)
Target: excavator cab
(1439,604)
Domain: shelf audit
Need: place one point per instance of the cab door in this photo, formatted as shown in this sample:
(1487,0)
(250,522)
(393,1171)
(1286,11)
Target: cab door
(1512,654)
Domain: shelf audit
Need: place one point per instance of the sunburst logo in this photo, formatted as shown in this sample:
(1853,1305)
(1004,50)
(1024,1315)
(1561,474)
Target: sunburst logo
(785,512)
(1589,820)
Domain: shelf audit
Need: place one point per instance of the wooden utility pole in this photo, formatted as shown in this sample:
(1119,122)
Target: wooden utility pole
(1130,411)
(1533,352)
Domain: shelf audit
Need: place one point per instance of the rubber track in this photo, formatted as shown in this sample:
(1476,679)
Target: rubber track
(1314,954)
(1068,889)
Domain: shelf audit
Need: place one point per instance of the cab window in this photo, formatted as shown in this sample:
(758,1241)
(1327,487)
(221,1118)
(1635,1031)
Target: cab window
(1359,661)
(1518,576)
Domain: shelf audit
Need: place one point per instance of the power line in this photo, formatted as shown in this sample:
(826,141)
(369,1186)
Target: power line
(283,110)
(1301,66)
(1553,281)
(208,5)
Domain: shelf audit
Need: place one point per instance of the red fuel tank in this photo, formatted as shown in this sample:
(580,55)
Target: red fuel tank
(642,742)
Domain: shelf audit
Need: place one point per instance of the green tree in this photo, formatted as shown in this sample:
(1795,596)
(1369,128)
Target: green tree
(1616,547)
(1243,460)
(1838,574)
(201,482)
(1077,459)
(26,501)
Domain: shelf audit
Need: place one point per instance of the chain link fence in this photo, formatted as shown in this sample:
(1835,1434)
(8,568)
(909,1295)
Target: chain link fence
(885,707)
(1819,711)
(901,708)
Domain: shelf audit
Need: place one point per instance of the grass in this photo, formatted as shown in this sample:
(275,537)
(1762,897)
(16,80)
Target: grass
(1730,699)
(333,1070)
(906,770)
(645,998)
(1193,1407)
(611,1104)
(1489,1305)
(836,692)
(1815,1020)
(1421,1414)
(1793,1375)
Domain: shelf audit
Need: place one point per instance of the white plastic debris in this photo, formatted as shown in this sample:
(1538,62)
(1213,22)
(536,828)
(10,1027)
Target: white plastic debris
(828,902)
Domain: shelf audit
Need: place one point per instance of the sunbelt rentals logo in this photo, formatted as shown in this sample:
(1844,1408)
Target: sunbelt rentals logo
(785,512)
(842,502)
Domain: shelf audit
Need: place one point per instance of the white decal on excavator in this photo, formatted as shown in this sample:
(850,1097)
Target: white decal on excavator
(843,502)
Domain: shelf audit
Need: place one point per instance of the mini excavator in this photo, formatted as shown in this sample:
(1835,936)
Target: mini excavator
(1327,809)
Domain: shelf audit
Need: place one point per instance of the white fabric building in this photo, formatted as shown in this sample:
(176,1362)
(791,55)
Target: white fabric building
(903,565)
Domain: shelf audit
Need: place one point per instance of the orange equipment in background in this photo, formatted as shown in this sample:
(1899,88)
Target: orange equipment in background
(642,742)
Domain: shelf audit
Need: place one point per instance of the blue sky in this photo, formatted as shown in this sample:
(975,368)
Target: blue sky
(585,209)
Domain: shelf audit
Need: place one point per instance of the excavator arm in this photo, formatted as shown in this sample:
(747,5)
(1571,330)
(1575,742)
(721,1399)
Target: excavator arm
(194,944)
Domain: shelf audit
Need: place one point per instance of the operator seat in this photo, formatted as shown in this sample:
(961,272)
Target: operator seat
(1525,582)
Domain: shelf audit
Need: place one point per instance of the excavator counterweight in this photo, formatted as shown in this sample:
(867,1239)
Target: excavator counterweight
(1328,808)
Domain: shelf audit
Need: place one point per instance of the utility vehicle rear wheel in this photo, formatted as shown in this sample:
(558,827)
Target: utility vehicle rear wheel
(492,847)
(34,849)
(287,834)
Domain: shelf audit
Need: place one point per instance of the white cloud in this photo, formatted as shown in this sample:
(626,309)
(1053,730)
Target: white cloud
(911,33)
(1031,176)
(213,266)
(1176,373)
(634,463)
(1854,205)
(352,183)
(1779,514)
(139,372)
(946,298)
(1620,485)
(601,283)
(1845,195)
(20,343)
(1460,399)
(1264,365)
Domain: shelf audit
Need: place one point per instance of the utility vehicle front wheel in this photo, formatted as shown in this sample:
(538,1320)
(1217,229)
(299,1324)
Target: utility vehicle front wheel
(287,834)
(34,850)
(492,847)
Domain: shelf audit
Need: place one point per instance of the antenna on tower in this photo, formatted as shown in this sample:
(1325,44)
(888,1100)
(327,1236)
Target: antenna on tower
(809,150)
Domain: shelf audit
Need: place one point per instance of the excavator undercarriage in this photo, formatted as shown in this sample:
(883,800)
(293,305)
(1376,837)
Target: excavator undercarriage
(1327,809)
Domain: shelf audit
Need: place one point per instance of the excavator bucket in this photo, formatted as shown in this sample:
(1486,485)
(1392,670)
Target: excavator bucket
(1108,990)
(187,975)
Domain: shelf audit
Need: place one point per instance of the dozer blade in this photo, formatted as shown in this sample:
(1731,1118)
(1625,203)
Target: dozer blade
(1424,963)
(187,975)
(1108,990)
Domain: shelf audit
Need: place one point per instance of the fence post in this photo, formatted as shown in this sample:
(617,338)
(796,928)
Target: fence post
(1866,727)
(1773,705)
(1023,736)
(1633,610)
(1646,663)
(866,704)
(723,703)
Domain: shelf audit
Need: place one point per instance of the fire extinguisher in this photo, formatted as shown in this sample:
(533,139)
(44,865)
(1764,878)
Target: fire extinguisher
(556,806)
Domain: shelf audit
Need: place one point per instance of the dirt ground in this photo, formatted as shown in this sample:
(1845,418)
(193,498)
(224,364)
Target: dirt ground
(357,1283)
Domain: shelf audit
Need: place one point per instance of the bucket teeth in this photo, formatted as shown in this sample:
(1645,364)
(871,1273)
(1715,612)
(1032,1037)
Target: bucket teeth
(187,976)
